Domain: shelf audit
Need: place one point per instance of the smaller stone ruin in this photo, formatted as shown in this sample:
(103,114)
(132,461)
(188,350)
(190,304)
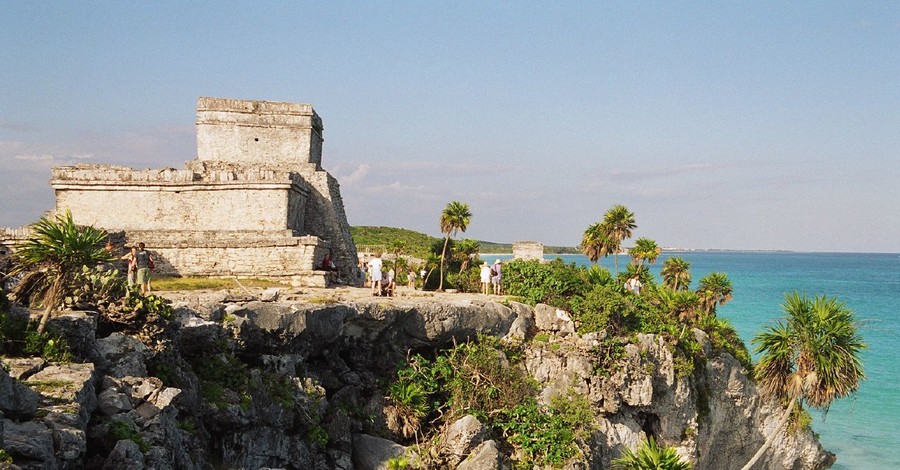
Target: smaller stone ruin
(528,251)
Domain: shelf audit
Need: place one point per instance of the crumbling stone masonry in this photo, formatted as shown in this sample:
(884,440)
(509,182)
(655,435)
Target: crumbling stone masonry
(528,251)
(255,203)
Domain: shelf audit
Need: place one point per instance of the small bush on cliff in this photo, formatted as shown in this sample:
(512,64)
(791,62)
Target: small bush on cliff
(650,456)
(18,338)
(482,379)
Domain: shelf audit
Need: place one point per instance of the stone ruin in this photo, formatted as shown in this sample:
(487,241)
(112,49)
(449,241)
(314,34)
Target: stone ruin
(255,203)
(528,251)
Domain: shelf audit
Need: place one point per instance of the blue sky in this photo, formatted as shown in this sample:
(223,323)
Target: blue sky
(733,125)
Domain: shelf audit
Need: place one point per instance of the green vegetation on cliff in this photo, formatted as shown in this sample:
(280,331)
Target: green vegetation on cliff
(411,242)
(419,244)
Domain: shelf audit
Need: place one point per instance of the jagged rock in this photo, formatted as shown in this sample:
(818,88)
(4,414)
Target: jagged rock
(29,441)
(16,400)
(549,318)
(523,327)
(126,455)
(321,367)
(79,329)
(112,401)
(485,457)
(67,386)
(373,453)
(121,356)
(269,295)
(69,437)
(20,368)
(461,437)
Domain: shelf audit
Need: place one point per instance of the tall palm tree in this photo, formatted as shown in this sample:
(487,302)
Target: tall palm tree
(52,258)
(715,289)
(618,224)
(676,273)
(454,218)
(811,356)
(467,250)
(594,243)
(650,456)
(644,249)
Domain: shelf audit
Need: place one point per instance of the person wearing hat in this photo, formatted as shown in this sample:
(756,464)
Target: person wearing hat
(495,276)
(485,278)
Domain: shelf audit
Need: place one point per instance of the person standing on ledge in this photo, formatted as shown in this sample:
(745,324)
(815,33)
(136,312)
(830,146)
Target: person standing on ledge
(143,263)
(485,278)
(375,273)
(496,274)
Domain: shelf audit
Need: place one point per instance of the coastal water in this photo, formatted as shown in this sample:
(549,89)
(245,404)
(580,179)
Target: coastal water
(863,430)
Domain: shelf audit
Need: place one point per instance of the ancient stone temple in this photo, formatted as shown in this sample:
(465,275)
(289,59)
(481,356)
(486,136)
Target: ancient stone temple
(255,203)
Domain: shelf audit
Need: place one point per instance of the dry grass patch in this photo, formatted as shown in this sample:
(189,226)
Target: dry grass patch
(210,283)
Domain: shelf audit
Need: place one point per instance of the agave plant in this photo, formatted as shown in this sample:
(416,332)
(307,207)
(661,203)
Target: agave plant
(52,258)
(651,456)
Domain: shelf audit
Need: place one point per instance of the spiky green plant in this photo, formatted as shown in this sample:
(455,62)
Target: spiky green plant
(52,257)
(650,456)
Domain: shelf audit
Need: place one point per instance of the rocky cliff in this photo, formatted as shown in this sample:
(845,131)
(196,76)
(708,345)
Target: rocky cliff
(299,383)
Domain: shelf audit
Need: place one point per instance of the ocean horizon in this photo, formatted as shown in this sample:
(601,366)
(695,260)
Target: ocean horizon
(860,429)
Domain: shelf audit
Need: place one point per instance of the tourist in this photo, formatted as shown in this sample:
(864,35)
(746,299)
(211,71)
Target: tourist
(327,263)
(375,273)
(634,285)
(130,256)
(496,274)
(422,276)
(485,278)
(411,279)
(143,263)
(389,283)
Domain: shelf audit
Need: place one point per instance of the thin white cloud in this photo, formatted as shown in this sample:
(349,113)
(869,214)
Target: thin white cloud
(644,173)
(53,160)
(356,175)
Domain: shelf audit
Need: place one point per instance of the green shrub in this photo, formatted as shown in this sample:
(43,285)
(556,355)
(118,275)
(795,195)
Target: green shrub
(120,430)
(47,345)
(96,286)
(553,283)
(18,338)
(482,379)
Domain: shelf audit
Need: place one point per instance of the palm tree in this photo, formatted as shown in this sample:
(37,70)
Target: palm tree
(715,289)
(467,250)
(52,258)
(650,456)
(618,224)
(454,218)
(644,249)
(594,243)
(811,356)
(676,273)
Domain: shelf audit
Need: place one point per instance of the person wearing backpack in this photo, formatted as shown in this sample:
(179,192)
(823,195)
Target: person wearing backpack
(143,263)
(496,274)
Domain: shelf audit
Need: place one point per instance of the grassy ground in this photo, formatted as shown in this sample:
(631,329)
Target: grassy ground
(202,283)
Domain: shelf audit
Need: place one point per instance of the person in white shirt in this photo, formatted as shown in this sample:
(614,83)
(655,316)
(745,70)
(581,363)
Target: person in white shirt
(375,273)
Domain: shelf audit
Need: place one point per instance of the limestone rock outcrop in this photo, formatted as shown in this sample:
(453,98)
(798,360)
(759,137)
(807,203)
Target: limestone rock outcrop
(299,385)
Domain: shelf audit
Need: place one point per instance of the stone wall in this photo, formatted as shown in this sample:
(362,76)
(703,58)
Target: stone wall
(528,250)
(258,131)
(288,259)
(120,199)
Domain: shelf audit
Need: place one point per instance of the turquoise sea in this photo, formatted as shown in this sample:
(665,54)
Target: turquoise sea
(863,430)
